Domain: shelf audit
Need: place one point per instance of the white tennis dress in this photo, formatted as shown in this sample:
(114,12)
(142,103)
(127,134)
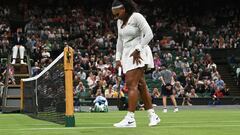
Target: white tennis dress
(136,34)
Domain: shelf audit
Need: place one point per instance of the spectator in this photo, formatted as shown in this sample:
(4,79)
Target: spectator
(80,88)
(179,92)
(155,74)
(178,63)
(109,92)
(79,94)
(185,66)
(4,44)
(216,99)
(219,83)
(192,94)
(1,85)
(117,87)
(185,97)
(178,88)
(19,42)
(156,60)
(36,69)
(212,65)
(214,73)
(81,74)
(238,74)
(46,57)
(226,91)
(155,93)
(10,72)
(91,79)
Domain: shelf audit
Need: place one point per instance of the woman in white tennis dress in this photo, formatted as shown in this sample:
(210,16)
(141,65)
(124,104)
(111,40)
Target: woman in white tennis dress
(133,54)
(135,35)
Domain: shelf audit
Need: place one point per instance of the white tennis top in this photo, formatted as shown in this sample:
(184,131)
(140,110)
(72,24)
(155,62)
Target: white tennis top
(136,34)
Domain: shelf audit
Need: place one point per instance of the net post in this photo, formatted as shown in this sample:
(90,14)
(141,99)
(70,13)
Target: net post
(21,92)
(68,69)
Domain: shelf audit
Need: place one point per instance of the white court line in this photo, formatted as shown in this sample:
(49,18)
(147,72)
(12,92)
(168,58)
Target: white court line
(184,122)
(77,128)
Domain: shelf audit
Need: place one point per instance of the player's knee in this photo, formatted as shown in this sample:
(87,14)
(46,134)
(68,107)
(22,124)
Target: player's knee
(132,87)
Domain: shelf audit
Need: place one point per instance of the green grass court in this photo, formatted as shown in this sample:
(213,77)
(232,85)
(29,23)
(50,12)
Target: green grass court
(213,121)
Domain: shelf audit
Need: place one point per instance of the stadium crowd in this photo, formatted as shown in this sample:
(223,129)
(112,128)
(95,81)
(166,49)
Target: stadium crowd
(181,33)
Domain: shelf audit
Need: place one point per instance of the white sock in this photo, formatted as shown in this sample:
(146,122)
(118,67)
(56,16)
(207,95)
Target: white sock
(150,111)
(130,114)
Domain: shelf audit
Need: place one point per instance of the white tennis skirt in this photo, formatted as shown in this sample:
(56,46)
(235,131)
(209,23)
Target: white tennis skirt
(127,61)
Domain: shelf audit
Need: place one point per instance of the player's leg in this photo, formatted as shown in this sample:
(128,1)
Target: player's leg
(145,96)
(142,86)
(132,79)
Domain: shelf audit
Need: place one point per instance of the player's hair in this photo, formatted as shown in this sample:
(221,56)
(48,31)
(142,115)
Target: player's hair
(129,5)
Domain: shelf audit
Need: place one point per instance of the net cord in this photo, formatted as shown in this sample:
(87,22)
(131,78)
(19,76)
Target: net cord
(45,70)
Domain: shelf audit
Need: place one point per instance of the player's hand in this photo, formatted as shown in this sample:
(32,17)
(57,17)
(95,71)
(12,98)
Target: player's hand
(136,57)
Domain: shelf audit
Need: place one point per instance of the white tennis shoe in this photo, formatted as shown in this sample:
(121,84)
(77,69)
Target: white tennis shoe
(154,120)
(127,122)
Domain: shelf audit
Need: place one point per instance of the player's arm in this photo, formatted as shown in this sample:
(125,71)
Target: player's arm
(119,48)
(147,36)
(145,29)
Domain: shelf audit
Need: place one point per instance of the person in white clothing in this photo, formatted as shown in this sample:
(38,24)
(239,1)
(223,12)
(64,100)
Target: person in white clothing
(45,55)
(19,42)
(133,55)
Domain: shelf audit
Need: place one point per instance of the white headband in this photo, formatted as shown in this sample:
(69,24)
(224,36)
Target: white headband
(119,6)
